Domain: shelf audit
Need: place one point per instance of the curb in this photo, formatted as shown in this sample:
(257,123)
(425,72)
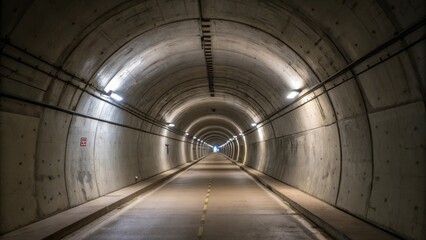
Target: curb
(27,232)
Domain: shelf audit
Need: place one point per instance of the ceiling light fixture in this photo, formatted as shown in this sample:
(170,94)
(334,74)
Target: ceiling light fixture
(293,94)
(115,96)
(171,125)
(254,124)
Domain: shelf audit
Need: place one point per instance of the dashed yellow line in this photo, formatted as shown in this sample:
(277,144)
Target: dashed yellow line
(200,231)
(203,216)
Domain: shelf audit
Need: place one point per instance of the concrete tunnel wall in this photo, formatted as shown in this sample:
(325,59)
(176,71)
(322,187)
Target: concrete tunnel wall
(356,142)
(52,172)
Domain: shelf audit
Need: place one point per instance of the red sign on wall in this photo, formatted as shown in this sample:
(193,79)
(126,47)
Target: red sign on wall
(83,142)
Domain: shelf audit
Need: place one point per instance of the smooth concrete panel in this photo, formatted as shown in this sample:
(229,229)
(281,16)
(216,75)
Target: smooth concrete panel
(152,155)
(90,106)
(242,153)
(357,165)
(347,100)
(13,17)
(313,163)
(270,164)
(54,94)
(52,33)
(418,56)
(353,26)
(20,108)
(310,161)
(67,97)
(79,167)
(18,136)
(254,156)
(279,163)
(390,84)
(116,115)
(187,151)
(156,154)
(315,113)
(15,80)
(51,193)
(399,185)
(115,157)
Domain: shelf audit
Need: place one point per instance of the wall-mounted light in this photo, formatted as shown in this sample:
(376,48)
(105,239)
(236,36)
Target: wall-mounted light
(186,133)
(241,134)
(112,95)
(116,97)
(293,94)
(194,137)
(171,125)
(254,124)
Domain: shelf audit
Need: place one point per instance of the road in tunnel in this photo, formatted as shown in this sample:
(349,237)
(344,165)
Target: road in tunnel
(325,96)
(214,199)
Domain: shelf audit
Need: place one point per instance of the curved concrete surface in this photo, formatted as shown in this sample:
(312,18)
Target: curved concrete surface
(354,136)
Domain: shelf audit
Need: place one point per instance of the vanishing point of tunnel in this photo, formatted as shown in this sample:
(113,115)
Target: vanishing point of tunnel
(212,119)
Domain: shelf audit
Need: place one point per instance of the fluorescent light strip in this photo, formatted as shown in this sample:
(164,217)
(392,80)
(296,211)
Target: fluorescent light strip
(293,94)
(116,97)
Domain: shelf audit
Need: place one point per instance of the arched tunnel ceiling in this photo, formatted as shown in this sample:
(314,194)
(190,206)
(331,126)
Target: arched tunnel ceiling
(162,69)
(151,53)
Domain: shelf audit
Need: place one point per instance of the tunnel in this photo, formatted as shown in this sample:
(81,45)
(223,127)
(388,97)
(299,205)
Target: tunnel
(321,98)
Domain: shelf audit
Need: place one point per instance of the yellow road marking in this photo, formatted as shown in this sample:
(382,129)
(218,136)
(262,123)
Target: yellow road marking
(203,216)
(200,231)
